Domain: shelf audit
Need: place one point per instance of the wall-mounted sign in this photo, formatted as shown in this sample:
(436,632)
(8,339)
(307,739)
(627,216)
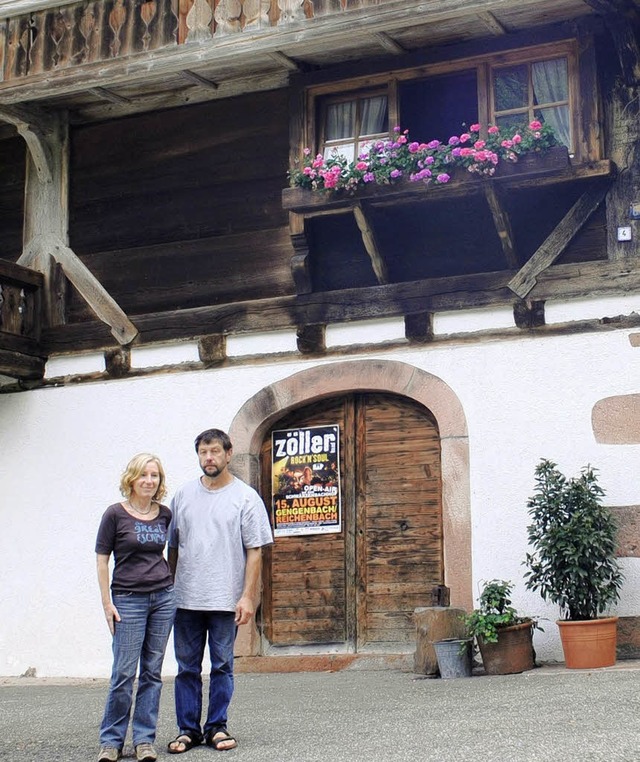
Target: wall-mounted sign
(305,478)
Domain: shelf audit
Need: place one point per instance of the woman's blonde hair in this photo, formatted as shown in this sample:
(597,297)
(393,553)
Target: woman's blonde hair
(134,470)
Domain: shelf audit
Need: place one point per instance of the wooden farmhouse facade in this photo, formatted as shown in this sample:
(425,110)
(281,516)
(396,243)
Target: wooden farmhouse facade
(159,275)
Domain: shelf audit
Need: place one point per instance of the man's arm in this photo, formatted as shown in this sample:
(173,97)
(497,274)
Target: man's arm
(172,558)
(246,606)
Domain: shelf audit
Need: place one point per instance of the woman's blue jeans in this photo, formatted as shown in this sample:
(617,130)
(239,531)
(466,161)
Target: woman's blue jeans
(141,637)
(189,637)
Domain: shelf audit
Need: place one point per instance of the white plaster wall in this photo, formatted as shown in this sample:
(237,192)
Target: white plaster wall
(62,451)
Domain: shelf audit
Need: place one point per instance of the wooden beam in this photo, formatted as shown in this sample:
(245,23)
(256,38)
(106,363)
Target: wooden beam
(212,349)
(492,23)
(117,362)
(503,225)
(419,327)
(108,95)
(31,126)
(571,281)
(21,366)
(24,345)
(623,27)
(86,283)
(557,242)
(370,244)
(311,339)
(528,313)
(388,43)
(198,80)
(18,275)
(287,63)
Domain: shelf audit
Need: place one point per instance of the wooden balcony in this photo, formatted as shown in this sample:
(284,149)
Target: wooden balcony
(106,58)
(21,291)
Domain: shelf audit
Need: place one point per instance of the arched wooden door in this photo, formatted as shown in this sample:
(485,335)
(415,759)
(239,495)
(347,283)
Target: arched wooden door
(359,587)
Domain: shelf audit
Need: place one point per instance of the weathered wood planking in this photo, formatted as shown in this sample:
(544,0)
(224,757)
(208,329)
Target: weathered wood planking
(440,294)
(404,550)
(395,525)
(186,274)
(305,587)
(184,210)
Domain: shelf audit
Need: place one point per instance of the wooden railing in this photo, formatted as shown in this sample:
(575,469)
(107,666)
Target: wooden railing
(20,321)
(92,31)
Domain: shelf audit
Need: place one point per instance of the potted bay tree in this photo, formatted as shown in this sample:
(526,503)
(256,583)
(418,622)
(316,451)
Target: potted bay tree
(573,562)
(504,637)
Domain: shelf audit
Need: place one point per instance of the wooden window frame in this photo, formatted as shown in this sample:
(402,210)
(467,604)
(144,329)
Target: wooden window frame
(584,147)
(357,95)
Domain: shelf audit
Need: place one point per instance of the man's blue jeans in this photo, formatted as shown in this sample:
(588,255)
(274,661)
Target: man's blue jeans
(189,637)
(141,637)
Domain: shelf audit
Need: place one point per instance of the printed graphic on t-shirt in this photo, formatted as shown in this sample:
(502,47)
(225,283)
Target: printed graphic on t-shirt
(145,533)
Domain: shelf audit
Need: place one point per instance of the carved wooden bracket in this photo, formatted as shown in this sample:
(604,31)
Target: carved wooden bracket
(525,279)
(89,287)
(370,244)
(502,224)
(31,126)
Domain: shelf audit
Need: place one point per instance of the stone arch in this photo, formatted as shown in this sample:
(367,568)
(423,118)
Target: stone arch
(256,416)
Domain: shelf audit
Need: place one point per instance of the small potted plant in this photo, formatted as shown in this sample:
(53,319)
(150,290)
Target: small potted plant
(504,637)
(573,562)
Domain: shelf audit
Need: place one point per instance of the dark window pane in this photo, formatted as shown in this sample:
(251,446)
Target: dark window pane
(439,107)
(511,87)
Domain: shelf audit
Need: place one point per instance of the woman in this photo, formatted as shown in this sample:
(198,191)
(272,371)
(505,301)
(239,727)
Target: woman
(139,608)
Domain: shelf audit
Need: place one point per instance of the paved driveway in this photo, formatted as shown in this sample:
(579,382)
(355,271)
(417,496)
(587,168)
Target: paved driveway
(546,715)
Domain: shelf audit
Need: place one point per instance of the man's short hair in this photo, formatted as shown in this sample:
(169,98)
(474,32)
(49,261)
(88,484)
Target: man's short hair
(214,435)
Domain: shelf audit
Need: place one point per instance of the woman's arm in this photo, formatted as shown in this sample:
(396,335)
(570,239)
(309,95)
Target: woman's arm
(110,611)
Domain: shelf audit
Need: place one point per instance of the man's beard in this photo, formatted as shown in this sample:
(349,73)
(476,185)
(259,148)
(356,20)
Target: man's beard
(210,470)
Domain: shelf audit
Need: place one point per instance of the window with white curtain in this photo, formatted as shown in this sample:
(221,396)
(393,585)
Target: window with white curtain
(534,90)
(352,123)
(434,101)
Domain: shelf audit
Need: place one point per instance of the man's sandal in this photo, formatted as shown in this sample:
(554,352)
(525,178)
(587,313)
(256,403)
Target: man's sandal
(187,740)
(219,736)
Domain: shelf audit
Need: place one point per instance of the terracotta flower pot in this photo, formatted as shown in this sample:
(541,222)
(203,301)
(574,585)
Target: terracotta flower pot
(512,653)
(589,644)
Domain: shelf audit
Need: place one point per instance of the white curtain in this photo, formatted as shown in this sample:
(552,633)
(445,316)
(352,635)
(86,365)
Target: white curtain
(550,84)
(374,115)
(340,120)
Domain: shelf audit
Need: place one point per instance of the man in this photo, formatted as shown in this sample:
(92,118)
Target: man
(215,552)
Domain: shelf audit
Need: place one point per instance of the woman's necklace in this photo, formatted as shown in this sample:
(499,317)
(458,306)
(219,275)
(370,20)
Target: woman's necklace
(137,510)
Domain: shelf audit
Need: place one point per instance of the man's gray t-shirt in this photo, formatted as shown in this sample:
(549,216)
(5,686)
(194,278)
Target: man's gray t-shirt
(211,530)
